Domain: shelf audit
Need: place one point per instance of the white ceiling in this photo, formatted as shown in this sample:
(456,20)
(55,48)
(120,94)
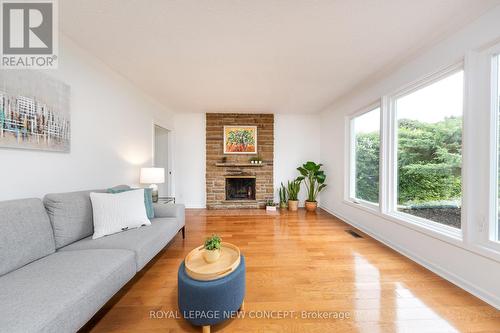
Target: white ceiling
(284,56)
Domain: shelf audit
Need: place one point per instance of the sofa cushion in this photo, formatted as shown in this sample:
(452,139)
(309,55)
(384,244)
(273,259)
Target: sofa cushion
(148,198)
(118,188)
(146,242)
(25,233)
(71,216)
(61,292)
(118,212)
(170,210)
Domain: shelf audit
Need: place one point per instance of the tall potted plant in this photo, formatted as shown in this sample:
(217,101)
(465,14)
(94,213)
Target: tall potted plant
(314,178)
(293,194)
(283,196)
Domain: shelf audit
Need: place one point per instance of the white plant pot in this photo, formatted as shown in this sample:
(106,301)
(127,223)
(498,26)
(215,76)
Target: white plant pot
(271,208)
(211,256)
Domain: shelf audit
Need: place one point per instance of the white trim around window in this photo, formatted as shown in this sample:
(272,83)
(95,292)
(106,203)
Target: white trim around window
(391,175)
(484,99)
(480,134)
(388,162)
(493,225)
(350,179)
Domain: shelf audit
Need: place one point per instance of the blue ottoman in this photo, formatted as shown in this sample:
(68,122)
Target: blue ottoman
(205,303)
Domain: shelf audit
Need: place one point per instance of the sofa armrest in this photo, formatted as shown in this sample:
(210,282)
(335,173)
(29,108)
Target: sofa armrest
(170,210)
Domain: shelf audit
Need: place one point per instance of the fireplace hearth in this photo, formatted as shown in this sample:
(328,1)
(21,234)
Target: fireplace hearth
(240,188)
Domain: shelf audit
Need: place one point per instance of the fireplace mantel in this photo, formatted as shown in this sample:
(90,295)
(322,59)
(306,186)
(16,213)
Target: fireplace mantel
(240,164)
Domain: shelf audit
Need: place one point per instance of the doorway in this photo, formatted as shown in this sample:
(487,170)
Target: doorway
(161,158)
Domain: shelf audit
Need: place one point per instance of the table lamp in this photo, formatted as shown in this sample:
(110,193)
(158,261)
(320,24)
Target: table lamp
(153,176)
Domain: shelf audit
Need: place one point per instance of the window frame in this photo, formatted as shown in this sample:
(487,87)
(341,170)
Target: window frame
(493,224)
(479,157)
(488,228)
(350,195)
(392,152)
(481,85)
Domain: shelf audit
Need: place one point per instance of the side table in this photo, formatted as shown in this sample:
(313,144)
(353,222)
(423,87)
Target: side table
(166,200)
(205,303)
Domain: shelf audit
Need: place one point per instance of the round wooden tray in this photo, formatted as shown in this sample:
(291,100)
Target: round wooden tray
(197,268)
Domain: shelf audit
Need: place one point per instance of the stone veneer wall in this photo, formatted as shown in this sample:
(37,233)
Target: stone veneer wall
(215,175)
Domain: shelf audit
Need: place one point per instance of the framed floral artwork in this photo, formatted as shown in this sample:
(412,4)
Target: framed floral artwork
(240,139)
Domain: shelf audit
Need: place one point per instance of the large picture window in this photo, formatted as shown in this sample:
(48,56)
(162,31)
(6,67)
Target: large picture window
(366,156)
(421,152)
(429,151)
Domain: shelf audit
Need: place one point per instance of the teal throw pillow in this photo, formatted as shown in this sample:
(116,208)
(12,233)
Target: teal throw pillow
(148,198)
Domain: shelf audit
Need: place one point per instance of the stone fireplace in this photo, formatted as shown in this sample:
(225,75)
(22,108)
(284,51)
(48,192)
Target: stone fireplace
(231,180)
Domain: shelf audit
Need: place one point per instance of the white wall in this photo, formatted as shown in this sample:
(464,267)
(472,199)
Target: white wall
(112,134)
(296,140)
(475,272)
(189,161)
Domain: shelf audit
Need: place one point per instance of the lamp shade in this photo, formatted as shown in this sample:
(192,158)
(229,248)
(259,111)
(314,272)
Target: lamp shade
(152,175)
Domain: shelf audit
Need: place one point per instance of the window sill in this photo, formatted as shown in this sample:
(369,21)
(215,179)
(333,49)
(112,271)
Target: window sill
(364,205)
(428,225)
(453,237)
(486,251)
(433,229)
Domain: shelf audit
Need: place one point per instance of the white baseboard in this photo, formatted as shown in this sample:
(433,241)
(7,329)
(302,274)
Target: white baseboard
(195,206)
(489,298)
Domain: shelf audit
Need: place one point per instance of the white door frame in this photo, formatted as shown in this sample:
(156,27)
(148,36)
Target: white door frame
(170,157)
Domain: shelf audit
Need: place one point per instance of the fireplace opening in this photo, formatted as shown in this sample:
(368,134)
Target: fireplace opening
(240,188)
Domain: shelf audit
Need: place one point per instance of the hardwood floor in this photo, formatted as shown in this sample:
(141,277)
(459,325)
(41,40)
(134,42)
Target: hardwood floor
(302,262)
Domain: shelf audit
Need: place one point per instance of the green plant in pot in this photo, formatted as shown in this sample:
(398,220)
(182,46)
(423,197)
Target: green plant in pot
(212,249)
(314,178)
(271,205)
(283,196)
(293,193)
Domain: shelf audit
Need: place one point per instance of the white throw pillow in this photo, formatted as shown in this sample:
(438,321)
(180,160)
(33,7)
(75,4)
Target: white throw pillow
(116,212)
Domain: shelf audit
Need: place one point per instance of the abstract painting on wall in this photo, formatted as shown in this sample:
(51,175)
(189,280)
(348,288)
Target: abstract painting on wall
(34,111)
(240,139)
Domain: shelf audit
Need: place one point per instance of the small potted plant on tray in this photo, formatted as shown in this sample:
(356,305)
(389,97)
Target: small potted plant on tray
(212,249)
(293,194)
(314,178)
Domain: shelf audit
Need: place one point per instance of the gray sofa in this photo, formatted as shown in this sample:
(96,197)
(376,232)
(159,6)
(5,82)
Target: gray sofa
(53,276)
